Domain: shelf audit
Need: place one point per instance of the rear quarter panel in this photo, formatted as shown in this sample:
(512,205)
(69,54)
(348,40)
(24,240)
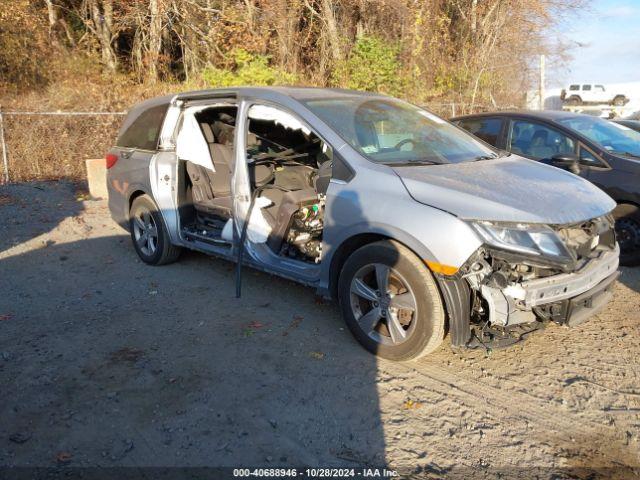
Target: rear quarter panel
(124,179)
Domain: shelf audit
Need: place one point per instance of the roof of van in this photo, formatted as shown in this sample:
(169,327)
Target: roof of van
(296,93)
(299,93)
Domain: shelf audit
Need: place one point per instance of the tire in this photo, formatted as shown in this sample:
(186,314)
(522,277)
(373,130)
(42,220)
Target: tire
(627,218)
(144,218)
(619,101)
(419,318)
(574,100)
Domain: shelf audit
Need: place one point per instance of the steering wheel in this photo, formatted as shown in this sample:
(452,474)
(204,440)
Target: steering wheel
(401,143)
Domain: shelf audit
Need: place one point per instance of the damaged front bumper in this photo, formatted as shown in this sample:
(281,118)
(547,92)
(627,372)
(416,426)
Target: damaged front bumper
(533,293)
(567,298)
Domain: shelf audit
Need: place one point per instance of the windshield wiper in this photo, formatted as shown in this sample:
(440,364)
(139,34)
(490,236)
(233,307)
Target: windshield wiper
(413,162)
(486,157)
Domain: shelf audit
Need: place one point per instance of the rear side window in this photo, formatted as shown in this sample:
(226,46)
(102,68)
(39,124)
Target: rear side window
(574,88)
(143,133)
(487,129)
(586,88)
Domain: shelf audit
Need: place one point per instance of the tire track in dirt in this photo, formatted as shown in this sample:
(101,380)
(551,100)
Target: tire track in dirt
(603,442)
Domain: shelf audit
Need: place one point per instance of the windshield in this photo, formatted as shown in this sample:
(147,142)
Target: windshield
(394,132)
(613,137)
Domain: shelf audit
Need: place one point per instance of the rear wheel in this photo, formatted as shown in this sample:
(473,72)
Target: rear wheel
(390,302)
(627,218)
(149,233)
(574,100)
(619,101)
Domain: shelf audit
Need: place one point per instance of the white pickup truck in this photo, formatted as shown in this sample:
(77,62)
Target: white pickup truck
(588,93)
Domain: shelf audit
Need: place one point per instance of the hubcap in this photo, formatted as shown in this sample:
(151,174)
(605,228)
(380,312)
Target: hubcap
(145,232)
(383,304)
(628,234)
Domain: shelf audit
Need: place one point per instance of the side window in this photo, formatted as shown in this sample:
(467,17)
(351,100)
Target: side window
(143,133)
(599,88)
(586,88)
(487,129)
(588,158)
(538,141)
(574,88)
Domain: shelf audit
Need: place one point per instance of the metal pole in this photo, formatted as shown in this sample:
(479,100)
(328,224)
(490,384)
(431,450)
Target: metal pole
(5,159)
(541,92)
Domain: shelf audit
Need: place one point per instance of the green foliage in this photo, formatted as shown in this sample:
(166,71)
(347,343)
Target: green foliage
(452,79)
(248,69)
(373,65)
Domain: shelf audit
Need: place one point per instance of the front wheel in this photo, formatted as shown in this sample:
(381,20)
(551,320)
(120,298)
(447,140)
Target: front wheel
(149,233)
(627,227)
(390,302)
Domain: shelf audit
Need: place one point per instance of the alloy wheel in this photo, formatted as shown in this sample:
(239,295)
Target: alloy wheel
(383,304)
(145,232)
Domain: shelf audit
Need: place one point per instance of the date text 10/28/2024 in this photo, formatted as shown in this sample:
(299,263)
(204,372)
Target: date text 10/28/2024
(314,473)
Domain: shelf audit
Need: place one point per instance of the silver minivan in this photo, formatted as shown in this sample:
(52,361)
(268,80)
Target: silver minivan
(415,227)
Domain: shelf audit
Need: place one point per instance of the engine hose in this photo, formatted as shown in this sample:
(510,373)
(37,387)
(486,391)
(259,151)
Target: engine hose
(243,234)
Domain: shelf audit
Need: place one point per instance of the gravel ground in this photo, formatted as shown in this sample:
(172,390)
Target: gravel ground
(105,361)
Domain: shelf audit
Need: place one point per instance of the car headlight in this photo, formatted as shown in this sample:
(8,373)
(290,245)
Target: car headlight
(537,240)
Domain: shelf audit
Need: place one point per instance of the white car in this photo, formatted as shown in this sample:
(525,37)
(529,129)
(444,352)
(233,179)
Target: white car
(588,93)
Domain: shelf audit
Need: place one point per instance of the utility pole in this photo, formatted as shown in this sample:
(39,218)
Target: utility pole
(541,93)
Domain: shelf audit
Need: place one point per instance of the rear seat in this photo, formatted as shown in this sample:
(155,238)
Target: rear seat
(211,191)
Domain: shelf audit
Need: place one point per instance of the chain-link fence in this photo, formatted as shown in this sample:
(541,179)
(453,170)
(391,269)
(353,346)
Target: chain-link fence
(449,110)
(52,145)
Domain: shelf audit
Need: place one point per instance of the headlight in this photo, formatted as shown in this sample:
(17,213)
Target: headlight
(538,240)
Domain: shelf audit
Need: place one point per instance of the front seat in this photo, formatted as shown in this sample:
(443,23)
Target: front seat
(539,147)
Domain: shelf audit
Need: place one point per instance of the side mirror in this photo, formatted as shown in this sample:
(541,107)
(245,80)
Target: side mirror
(567,161)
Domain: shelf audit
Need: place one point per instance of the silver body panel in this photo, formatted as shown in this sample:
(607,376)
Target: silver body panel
(510,189)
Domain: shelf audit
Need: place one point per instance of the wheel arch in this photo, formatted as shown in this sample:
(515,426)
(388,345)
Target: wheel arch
(626,201)
(454,292)
(134,193)
(344,251)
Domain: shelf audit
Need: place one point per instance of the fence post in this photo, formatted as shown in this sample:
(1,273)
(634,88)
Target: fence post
(5,160)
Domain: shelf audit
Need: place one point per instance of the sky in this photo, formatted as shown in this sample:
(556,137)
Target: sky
(606,44)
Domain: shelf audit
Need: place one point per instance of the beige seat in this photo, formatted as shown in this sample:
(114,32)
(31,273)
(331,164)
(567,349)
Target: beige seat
(211,191)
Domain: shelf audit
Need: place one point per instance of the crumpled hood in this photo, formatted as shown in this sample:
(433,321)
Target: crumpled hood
(510,189)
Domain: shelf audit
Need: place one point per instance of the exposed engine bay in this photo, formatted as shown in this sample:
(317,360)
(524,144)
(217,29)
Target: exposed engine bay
(514,294)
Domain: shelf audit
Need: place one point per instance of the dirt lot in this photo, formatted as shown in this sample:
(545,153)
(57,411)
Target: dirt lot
(107,362)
